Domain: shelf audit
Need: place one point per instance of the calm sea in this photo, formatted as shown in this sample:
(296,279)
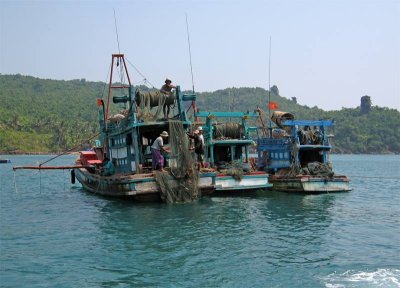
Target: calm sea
(54,234)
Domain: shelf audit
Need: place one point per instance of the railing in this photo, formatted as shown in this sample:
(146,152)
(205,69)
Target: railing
(274,144)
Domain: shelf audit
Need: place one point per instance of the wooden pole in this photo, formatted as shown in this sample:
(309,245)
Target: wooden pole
(49,167)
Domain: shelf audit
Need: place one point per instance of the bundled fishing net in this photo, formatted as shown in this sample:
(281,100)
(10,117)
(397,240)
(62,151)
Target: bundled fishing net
(148,100)
(183,185)
(310,136)
(317,169)
(235,169)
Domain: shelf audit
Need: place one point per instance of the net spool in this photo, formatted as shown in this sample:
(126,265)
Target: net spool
(152,98)
(147,100)
(227,130)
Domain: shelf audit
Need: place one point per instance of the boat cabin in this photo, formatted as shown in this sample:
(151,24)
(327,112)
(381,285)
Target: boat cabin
(127,141)
(294,142)
(227,142)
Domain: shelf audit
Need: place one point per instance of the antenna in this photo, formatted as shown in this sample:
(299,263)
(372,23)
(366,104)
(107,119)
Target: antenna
(190,52)
(116,31)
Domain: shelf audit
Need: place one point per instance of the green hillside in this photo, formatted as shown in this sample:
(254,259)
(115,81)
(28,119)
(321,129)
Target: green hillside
(51,115)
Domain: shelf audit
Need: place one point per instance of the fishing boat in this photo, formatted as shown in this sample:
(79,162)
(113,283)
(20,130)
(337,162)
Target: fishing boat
(4,161)
(227,151)
(120,164)
(296,153)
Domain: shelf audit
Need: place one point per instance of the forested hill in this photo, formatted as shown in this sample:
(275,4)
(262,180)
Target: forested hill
(52,115)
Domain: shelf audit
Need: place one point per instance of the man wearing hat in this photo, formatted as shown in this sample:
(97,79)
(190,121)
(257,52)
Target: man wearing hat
(167,90)
(157,160)
(198,146)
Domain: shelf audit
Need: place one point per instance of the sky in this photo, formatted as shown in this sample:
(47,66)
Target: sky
(326,53)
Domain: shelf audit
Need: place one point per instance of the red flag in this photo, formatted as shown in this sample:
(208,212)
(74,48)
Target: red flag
(273,105)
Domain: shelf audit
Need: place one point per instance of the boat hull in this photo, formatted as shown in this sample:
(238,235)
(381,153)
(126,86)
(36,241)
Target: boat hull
(227,183)
(310,184)
(143,187)
(139,187)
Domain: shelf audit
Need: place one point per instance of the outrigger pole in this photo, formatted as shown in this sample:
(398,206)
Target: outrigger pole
(49,167)
(40,167)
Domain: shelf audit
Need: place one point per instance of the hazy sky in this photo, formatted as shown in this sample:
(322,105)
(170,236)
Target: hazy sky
(327,53)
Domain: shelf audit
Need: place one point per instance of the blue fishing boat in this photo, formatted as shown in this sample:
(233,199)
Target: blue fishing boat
(296,153)
(120,164)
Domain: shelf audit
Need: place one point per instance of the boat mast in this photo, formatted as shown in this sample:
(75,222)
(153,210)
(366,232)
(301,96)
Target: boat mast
(269,89)
(191,67)
(119,59)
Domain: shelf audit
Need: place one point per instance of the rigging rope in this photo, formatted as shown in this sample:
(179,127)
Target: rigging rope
(116,31)
(137,70)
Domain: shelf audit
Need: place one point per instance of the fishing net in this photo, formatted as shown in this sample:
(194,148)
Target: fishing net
(234,168)
(310,136)
(181,184)
(317,169)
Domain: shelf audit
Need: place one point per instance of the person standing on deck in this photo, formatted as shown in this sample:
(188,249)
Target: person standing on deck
(157,160)
(201,155)
(166,89)
(198,147)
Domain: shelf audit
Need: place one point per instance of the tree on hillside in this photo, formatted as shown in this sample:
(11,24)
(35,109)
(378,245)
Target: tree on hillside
(275,90)
(365,106)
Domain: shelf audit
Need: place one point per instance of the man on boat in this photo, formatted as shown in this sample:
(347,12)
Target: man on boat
(198,146)
(157,160)
(166,89)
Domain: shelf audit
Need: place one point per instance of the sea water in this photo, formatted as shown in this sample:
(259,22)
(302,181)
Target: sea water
(54,234)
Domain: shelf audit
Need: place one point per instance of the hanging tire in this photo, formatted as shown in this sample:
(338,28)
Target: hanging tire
(72,176)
